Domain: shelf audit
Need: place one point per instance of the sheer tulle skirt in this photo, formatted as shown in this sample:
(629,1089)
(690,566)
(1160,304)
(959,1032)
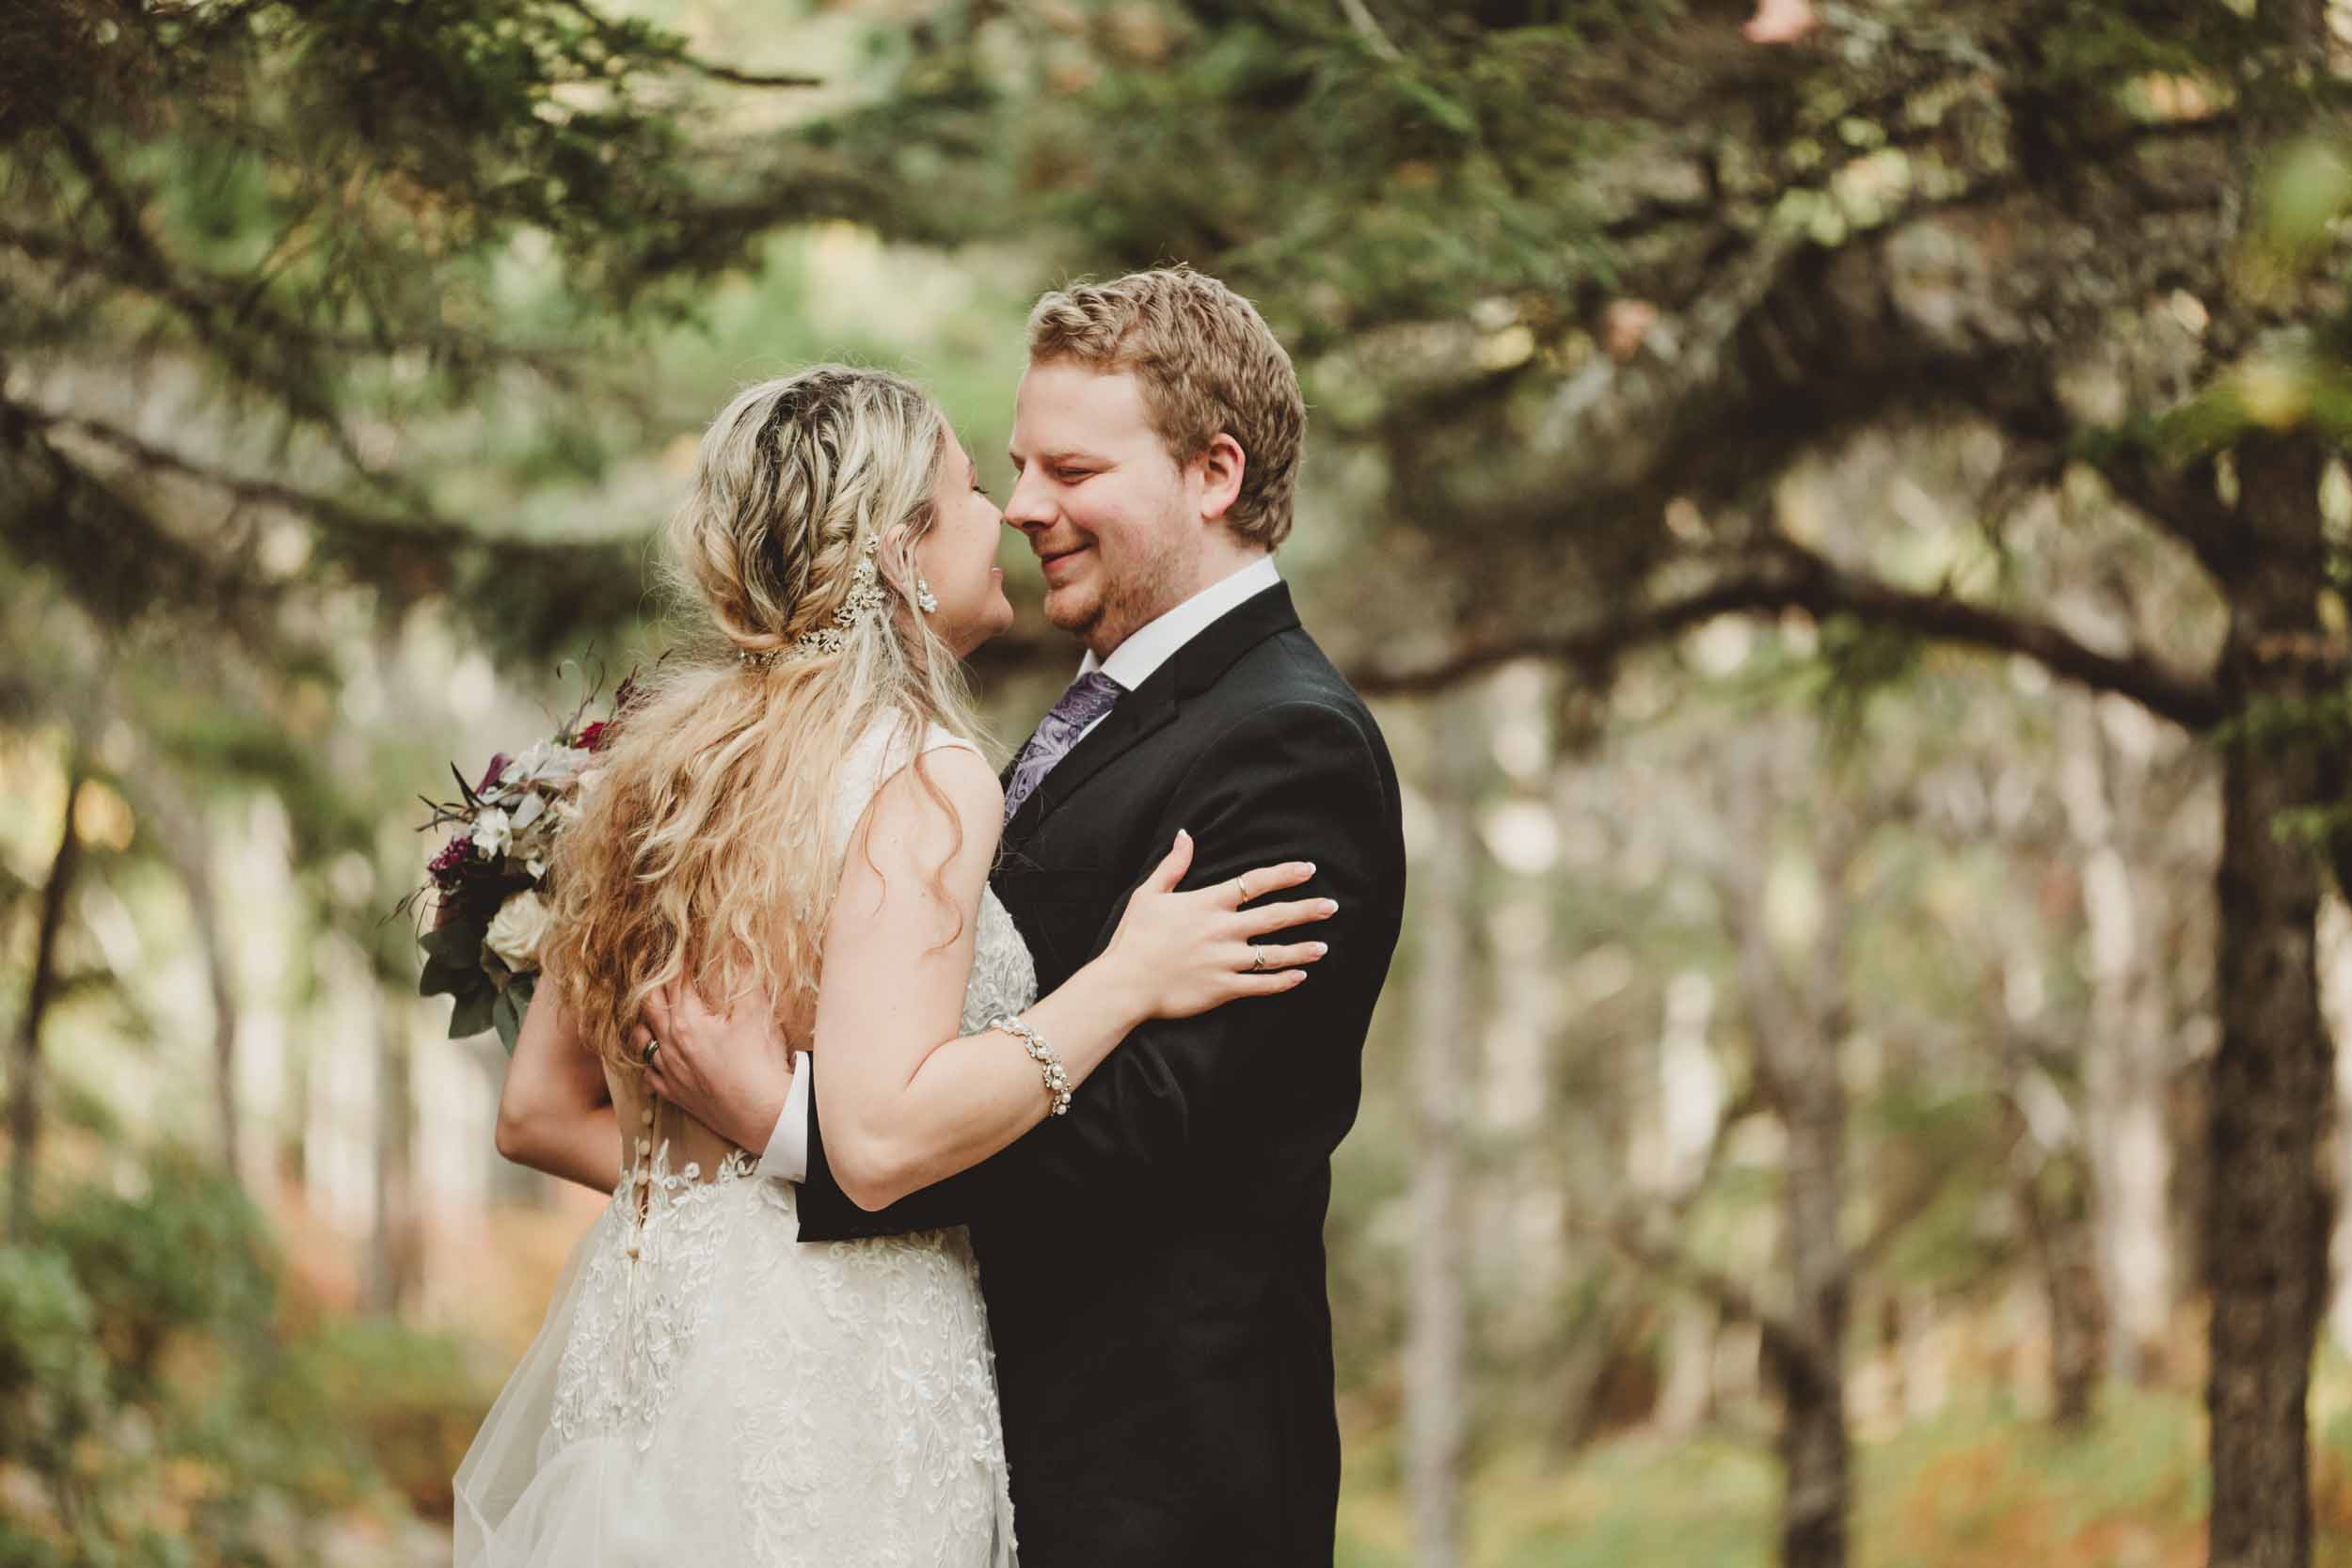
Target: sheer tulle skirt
(706,1390)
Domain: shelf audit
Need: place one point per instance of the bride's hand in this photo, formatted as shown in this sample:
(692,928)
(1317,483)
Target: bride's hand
(1184,953)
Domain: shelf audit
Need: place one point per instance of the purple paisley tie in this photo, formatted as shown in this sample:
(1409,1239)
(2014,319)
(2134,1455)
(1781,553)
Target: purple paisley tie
(1086,699)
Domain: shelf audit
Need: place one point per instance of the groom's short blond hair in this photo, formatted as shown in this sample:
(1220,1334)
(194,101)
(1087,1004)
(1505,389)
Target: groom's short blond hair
(1208,364)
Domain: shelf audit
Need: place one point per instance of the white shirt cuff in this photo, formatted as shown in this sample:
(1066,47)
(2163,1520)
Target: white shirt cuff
(785,1157)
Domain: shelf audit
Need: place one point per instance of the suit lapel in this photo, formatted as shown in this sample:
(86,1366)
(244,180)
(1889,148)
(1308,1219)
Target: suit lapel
(1190,670)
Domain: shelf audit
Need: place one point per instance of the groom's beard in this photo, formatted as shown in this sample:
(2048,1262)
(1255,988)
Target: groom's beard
(1143,589)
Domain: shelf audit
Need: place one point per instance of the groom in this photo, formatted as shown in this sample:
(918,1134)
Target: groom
(1153,1260)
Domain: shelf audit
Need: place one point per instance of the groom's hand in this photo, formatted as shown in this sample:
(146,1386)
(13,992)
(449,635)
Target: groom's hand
(730,1072)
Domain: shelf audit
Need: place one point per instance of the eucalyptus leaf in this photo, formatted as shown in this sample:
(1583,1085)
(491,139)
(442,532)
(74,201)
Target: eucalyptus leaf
(473,1013)
(443,977)
(506,1013)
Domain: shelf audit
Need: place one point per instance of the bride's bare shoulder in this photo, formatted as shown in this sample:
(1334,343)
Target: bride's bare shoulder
(944,799)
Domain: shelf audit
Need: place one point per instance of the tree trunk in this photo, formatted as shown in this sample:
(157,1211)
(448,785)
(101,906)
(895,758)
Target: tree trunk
(2335,1005)
(1799,1026)
(2268,1207)
(25,1098)
(1813,1441)
(2057,1224)
(1690,1098)
(1443,1054)
(2127,1064)
(188,846)
(392,1239)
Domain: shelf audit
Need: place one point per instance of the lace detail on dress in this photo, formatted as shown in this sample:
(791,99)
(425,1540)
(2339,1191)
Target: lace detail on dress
(643,1299)
(916,1359)
(708,1390)
(1004,974)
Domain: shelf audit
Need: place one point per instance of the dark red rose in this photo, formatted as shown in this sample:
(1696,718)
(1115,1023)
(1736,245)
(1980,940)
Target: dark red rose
(592,739)
(449,865)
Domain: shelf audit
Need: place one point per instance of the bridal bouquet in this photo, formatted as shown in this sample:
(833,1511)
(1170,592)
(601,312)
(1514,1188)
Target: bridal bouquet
(488,882)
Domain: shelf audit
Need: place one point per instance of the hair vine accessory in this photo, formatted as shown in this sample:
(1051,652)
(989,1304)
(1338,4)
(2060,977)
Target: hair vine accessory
(866,598)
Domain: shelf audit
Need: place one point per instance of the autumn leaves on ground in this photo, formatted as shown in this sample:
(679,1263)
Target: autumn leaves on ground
(199,1391)
(1981,1486)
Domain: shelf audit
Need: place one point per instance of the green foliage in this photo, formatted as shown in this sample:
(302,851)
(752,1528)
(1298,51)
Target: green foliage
(1859,662)
(191,1253)
(173,1412)
(1978,1485)
(408,1402)
(1339,183)
(2093,48)
(52,1382)
(18,1549)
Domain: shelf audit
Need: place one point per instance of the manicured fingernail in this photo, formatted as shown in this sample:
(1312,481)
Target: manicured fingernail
(1311,867)
(1320,948)
(1331,906)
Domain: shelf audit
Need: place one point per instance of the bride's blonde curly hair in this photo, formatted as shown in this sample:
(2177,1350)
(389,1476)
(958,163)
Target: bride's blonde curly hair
(703,847)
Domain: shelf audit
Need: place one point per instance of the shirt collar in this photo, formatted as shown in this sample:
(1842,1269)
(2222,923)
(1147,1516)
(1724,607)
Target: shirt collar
(1154,643)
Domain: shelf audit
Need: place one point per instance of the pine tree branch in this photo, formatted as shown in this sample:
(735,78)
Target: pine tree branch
(196,291)
(534,594)
(1805,580)
(116,559)
(301,395)
(416,527)
(632,42)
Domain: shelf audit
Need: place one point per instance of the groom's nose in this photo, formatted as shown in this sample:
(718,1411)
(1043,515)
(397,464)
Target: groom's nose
(1030,505)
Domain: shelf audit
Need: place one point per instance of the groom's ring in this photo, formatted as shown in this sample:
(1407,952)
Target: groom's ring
(651,1046)
(1257,958)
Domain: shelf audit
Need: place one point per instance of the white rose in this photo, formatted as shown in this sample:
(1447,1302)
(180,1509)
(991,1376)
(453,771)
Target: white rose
(517,931)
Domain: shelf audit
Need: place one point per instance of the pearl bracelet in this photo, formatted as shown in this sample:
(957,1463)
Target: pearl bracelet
(1049,1065)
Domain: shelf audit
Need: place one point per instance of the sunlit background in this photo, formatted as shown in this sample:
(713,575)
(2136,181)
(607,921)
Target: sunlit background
(1835,505)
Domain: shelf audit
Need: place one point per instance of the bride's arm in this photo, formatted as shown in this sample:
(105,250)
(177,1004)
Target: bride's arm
(554,1113)
(908,1099)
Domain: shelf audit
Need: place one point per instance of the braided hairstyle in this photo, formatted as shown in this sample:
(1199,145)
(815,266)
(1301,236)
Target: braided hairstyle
(703,848)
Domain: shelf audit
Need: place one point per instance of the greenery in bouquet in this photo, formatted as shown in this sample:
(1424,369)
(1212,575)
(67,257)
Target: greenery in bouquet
(488,884)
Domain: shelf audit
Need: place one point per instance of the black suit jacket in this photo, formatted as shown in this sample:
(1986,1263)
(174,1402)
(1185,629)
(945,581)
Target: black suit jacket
(1153,1260)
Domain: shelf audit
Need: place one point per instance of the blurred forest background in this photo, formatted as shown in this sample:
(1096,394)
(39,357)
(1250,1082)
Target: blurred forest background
(1839,505)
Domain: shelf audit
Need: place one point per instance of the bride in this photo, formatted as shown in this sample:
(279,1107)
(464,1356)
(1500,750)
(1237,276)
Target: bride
(804,816)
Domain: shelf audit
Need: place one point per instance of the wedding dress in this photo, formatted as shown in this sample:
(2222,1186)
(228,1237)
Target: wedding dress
(707,1392)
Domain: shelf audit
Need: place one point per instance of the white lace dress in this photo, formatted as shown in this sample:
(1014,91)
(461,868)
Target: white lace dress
(707,1391)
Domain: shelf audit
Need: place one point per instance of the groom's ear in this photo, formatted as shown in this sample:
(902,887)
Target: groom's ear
(1220,468)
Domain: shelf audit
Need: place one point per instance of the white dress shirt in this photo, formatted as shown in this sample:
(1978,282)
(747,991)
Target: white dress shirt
(1132,663)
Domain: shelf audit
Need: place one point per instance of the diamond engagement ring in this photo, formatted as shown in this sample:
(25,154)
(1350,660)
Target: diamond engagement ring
(1257,958)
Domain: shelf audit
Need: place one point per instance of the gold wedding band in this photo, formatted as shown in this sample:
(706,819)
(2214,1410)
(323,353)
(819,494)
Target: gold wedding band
(1241,885)
(651,1046)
